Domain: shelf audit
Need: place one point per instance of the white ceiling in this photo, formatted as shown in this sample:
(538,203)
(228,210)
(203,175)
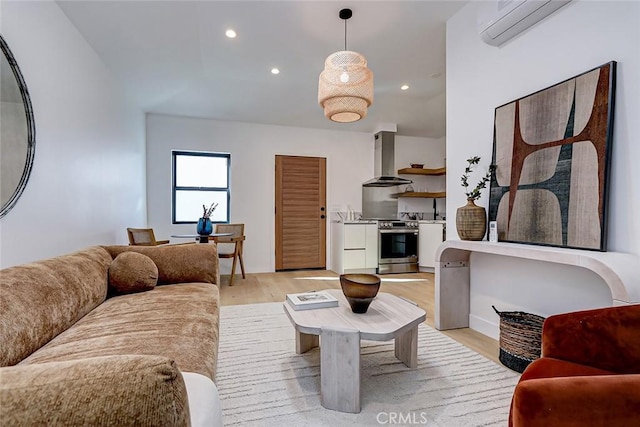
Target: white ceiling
(173,57)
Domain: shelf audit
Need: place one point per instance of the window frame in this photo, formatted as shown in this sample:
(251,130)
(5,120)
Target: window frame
(175,188)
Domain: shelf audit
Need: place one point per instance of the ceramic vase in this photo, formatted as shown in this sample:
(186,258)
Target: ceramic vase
(204,227)
(471,221)
(359,290)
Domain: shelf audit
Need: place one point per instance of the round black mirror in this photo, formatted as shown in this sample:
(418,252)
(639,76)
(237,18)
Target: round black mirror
(17,131)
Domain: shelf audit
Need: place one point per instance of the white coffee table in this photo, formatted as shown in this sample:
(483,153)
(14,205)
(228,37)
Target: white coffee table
(388,317)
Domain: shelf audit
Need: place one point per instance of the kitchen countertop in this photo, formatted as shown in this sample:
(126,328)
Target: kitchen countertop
(374,221)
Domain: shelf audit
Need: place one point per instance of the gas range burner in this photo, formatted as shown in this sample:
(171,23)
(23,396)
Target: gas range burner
(393,224)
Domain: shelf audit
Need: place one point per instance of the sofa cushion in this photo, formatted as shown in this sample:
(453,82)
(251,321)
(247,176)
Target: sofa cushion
(605,338)
(548,367)
(40,300)
(176,321)
(577,401)
(184,263)
(132,272)
(114,390)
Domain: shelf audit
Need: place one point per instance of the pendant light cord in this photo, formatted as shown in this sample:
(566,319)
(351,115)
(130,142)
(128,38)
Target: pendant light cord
(345,34)
(345,14)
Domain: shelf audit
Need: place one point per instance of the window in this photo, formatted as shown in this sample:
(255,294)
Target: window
(200,179)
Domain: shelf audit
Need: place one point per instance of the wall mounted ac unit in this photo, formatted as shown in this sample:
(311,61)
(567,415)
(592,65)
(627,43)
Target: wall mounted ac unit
(503,19)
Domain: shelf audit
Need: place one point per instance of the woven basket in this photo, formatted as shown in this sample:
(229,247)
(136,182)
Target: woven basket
(520,338)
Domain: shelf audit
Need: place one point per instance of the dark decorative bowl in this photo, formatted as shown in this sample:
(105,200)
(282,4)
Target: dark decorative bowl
(417,165)
(360,290)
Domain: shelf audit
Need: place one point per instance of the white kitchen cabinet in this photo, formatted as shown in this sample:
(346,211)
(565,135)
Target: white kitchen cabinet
(355,236)
(371,247)
(353,259)
(354,247)
(429,238)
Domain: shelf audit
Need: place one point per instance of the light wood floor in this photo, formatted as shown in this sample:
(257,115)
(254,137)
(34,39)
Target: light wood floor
(418,287)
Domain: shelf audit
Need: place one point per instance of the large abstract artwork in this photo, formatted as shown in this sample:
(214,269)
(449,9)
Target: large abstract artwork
(552,155)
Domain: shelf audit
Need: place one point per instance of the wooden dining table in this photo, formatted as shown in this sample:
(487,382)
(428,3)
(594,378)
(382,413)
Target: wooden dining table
(205,238)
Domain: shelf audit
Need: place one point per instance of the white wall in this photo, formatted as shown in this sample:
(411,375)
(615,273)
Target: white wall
(88,181)
(253,148)
(579,37)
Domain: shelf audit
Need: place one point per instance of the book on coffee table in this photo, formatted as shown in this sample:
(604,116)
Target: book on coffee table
(311,300)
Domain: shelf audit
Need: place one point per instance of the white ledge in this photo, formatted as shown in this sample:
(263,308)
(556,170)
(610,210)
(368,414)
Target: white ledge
(618,270)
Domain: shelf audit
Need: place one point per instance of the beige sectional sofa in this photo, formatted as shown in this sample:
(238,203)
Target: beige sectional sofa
(90,338)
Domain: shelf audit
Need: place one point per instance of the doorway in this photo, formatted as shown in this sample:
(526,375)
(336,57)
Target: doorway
(301,224)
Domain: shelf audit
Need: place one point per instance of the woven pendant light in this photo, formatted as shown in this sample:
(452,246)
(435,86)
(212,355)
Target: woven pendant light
(345,86)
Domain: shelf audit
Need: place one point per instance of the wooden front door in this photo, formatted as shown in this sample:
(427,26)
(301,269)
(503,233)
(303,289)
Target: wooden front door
(301,224)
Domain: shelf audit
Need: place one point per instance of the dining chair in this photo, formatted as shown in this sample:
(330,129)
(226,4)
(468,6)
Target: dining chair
(237,239)
(143,237)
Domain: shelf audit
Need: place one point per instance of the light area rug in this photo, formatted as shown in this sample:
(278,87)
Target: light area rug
(263,382)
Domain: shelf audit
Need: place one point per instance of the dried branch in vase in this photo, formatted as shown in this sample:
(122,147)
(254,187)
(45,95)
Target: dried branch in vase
(208,211)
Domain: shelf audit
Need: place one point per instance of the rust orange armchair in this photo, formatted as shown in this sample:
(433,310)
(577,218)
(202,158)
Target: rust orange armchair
(588,375)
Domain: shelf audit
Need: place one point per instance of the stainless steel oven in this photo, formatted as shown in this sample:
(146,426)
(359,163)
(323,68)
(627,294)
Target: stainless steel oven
(397,246)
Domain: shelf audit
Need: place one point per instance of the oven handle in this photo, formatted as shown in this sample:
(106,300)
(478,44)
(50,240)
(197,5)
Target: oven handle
(398,231)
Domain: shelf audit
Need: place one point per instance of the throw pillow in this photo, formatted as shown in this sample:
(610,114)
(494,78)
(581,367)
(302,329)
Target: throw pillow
(127,390)
(132,272)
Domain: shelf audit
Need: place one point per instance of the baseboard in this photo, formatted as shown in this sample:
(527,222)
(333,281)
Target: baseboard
(485,327)
(426,269)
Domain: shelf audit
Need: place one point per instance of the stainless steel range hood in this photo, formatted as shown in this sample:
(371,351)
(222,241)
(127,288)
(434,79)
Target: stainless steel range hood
(384,162)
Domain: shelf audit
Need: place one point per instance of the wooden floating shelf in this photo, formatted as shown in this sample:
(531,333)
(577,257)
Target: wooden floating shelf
(415,171)
(423,195)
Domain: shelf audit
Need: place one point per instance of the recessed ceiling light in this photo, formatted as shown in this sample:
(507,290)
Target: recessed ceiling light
(404,87)
(275,71)
(230,33)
